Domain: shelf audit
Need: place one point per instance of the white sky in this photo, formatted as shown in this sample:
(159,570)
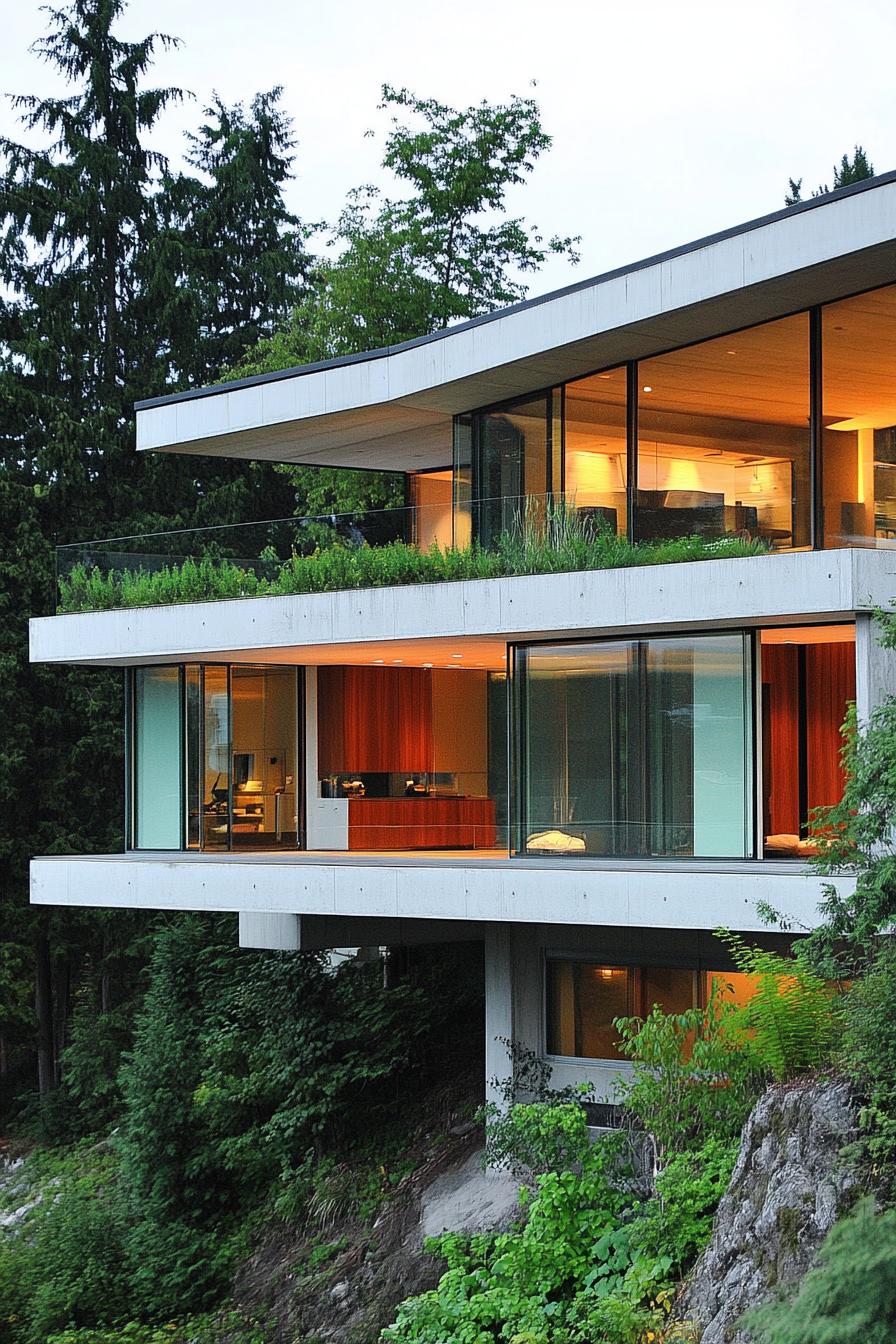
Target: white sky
(670,119)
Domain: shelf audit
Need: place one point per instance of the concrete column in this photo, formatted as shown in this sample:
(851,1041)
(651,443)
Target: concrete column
(271,932)
(875,667)
(499,1013)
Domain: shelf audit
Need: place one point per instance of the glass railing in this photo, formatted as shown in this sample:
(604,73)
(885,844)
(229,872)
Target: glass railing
(428,543)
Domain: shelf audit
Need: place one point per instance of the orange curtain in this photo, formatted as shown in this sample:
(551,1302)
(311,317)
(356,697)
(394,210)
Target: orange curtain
(830,685)
(779,671)
(374,719)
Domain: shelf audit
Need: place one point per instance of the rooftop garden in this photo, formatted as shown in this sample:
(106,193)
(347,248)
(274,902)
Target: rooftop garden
(557,541)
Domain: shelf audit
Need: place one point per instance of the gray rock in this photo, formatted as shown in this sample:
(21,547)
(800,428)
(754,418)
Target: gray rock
(787,1190)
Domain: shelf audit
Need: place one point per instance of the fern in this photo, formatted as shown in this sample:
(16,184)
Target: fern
(789,1020)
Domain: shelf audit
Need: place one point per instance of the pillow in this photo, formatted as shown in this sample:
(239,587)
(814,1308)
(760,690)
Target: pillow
(782,844)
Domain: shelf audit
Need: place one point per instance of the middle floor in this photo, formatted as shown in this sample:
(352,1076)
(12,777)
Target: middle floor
(713,745)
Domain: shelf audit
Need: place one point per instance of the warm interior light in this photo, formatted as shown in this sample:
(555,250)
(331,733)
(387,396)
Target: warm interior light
(647,389)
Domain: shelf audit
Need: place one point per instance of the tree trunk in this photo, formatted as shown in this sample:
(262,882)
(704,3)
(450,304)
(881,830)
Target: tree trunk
(43,1007)
(62,994)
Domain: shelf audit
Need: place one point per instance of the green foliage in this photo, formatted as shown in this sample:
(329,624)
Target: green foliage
(678,1221)
(61,1266)
(572,1275)
(846,172)
(537,1136)
(868,1057)
(849,1297)
(339,567)
(691,1076)
(788,1023)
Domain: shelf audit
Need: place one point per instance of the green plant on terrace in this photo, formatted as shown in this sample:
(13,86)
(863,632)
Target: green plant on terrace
(554,540)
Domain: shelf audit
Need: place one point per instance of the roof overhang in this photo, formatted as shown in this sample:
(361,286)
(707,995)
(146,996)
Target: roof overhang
(391,409)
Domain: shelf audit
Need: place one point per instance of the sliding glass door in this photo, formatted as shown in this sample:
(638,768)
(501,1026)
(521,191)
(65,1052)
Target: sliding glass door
(213,757)
(635,747)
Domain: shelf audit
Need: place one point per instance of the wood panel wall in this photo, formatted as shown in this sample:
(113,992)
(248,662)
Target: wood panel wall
(374,719)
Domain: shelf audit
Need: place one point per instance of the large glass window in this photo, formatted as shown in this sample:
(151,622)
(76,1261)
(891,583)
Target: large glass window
(859,417)
(808,681)
(157,772)
(595,453)
(584,998)
(216,759)
(723,438)
(516,454)
(432,499)
(263,702)
(635,747)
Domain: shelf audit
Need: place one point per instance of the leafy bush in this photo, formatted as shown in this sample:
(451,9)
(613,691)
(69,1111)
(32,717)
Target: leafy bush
(868,1057)
(534,1127)
(573,1274)
(850,1297)
(691,1078)
(788,1021)
(678,1221)
(562,544)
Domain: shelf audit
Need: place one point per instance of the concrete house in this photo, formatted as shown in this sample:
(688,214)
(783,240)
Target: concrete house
(589,771)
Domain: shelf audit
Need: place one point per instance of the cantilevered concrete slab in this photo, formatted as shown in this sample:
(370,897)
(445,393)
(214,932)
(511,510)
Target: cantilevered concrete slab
(392,408)
(345,627)
(691,894)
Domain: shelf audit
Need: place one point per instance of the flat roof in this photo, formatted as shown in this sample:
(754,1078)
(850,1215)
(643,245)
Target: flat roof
(392,407)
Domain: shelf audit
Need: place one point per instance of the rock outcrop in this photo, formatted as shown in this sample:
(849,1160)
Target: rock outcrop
(788,1188)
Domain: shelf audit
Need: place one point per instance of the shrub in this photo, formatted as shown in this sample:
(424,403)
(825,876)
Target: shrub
(850,1297)
(788,1021)
(573,1274)
(868,1057)
(691,1079)
(678,1221)
(560,544)
(537,1137)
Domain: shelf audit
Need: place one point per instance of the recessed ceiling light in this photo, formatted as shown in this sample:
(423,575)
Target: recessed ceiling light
(647,388)
(457,655)
(398,660)
(730,352)
(427,664)
(604,375)
(379,660)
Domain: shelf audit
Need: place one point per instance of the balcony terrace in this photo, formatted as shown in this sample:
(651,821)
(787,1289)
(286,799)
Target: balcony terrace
(373,549)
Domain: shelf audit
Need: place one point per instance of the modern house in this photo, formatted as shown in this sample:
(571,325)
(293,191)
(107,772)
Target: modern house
(589,771)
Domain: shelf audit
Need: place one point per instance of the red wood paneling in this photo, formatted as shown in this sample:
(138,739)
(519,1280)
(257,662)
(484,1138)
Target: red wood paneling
(421,823)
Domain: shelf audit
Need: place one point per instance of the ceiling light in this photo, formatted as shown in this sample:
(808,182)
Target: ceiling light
(427,664)
(457,655)
(647,388)
(379,660)
(398,660)
(730,352)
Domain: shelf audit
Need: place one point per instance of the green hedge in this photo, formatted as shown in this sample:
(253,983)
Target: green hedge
(565,549)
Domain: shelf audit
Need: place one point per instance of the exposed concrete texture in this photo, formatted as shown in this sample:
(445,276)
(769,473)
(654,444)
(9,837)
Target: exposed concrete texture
(788,1189)
(325,627)
(391,408)
(470,1199)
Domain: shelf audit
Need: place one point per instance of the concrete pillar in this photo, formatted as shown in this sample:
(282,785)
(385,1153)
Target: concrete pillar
(499,1015)
(326,819)
(271,932)
(875,667)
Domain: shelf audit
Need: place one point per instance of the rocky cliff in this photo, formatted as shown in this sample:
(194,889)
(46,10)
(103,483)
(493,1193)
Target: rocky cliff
(790,1185)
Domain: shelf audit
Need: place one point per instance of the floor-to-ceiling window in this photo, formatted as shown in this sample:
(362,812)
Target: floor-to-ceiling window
(263,712)
(157,778)
(858,343)
(635,747)
(516,456)
(213,757)
(595,448)
(808,680)
(723,438)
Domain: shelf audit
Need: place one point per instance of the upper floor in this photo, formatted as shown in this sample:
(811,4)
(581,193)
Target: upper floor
(740,391)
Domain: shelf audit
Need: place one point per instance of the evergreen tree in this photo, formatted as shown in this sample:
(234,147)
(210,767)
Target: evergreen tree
(846,172)
(92,319)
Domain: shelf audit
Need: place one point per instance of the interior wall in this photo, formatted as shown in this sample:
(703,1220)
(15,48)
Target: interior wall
(460,727)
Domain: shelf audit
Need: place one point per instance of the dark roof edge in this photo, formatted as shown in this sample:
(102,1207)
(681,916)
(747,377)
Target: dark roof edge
(869,184)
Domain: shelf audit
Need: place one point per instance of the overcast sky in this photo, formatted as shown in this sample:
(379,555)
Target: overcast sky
(670,118)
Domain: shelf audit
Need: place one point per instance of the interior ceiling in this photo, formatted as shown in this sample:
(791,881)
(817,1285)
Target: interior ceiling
(809,634)
(475,654)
